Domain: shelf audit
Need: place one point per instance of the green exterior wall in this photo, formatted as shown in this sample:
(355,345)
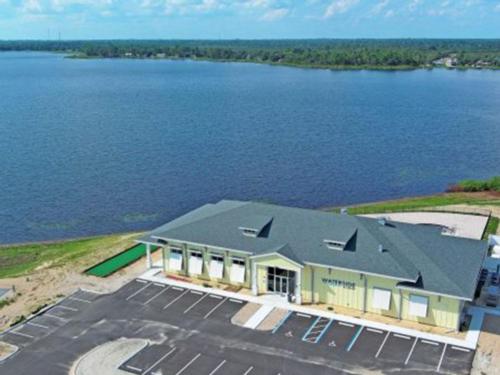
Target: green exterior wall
(329,286)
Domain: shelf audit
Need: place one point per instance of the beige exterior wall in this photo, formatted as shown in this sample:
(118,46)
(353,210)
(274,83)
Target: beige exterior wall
(330,286)
(207,252)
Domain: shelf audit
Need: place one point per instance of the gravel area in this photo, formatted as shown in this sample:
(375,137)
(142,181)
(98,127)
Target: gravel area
(487,358)
(272,319)
(246,312)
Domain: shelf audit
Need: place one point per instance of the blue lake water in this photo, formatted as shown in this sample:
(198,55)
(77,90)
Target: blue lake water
(98,146)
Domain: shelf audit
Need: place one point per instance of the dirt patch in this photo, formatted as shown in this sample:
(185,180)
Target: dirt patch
(487,358)
(245,313)
(272,319)
(47,285)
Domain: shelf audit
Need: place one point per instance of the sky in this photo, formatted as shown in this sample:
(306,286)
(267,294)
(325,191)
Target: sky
(248,19)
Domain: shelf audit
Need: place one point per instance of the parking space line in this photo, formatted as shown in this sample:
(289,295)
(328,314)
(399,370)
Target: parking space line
(37,325)
(79,299)
(217,368)
(194,304)
(215,308)
(248,371)
(188,364)
(460,349)
(374,330)
(137,292)
(55,317)
(354,339)
(141,281)
(429,342)
(215,296)
(324,331)
(235,300)
(196,292)
(66,308)
(133,368)
(304,315)
(441,358)
(280,323)
(14,332)
(160,285)
(177,288)
(411,350)
(382,345)
(158,361)
(346,324)
(176,299)
(402,336)
(157,294)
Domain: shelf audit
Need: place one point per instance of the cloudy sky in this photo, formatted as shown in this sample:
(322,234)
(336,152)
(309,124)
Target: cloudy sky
(215,19)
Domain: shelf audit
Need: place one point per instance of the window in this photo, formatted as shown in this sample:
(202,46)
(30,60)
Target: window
(381,299)
(195,263)
(334,245)
(249,232)
(237,270)
(418,306)
(216,266)
(175,260)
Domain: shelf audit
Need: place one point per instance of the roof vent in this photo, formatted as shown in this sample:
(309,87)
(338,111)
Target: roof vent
(161,241)
(343,211)
(380,248)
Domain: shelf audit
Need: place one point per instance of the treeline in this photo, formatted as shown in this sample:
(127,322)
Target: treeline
(328,53)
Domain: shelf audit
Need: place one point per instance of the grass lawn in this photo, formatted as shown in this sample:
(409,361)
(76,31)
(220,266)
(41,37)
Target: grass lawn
(21,260)
(422,202)
(492,226)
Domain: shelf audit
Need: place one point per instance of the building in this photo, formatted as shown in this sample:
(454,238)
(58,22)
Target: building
(405,271)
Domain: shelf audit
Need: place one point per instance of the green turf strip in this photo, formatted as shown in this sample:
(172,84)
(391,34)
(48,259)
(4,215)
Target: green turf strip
(119,261)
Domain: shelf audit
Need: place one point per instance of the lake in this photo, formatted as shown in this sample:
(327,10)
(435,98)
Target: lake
(98,146)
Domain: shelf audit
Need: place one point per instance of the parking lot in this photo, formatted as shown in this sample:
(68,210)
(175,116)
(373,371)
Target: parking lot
(200,339)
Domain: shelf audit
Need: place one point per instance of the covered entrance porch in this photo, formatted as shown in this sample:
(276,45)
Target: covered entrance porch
(276,275)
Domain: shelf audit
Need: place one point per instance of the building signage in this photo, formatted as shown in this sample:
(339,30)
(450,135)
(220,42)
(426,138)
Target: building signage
(341,283)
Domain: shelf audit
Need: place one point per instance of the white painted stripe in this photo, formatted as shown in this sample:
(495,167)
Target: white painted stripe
(79,299)
(374,330)
(215,296)
(160,285)
(441,359)
(304,315)
(248,371)
(141,281)
(175,299)
(188,364)
(37,325)
(382,345)
(134,368)
(235,300)
(55,317)
(194,304)
(215,308)
(257,318)
(157,295)
(177,288)
(217,368)
(14,332)
(158,361)
(402,336)
(196,292)
(411,350)
(66,307)
(460,349)
(346,324)
(429,342)
(137,292)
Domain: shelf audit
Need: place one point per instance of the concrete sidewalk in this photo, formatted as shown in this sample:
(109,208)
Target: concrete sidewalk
(470,341)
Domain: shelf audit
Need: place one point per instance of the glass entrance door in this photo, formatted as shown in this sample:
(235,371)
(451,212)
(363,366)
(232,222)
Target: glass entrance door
(280,281)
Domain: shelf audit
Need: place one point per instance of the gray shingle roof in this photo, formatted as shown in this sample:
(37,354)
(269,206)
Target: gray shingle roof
(445,264)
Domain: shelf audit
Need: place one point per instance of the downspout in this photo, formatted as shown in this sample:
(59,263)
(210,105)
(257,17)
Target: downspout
(400,310)
(312,285)
(365,292)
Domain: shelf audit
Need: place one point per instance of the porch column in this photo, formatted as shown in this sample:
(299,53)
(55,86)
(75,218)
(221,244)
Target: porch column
(255,289)
(149,261)
(298,287)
